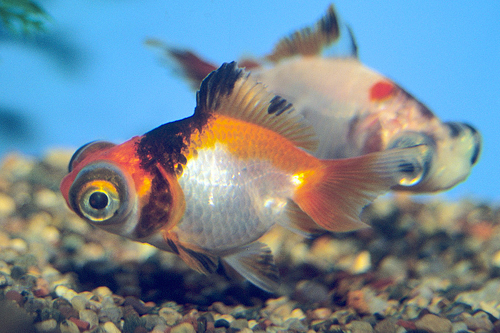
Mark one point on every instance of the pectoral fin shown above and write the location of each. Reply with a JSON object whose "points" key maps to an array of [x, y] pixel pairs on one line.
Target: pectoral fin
{"points": [[198, 260]]}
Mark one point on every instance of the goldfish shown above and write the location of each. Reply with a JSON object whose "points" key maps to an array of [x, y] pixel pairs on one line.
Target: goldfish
{"points": [[208, 186], [353, 109]]}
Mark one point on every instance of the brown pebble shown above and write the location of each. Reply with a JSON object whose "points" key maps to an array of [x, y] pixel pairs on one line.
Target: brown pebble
{"points": [[67, 311], [14, 296], [406, 324], [42, 288], [434, 324], [137, 304], [387, 325], [480, 321], [82, 325], [356, 300]]}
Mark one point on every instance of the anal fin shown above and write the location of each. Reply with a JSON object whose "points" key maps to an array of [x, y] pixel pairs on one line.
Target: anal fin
{"points": [[299, 222], [255, 263]]}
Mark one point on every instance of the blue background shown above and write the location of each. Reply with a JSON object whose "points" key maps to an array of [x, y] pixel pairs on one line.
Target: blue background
{"points": [[91, 77]]}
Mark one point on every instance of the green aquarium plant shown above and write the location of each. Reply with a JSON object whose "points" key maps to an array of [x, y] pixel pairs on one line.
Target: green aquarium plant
{"points": [[22, 16]]}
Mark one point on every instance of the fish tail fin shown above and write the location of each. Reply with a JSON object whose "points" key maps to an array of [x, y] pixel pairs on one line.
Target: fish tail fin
{"points": [[255, 263], [186, 63], [334, 196]]}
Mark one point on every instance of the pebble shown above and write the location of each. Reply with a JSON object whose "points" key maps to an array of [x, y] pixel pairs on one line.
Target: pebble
{"points": [[434, 324], [48, 325], [357, 326], [113, 314], [479, 321], [110, 327], [102, 292], [361, 263], [387, 325], [171, 316], [137, 304], [7, 205], [90, 317], [68, 326], [79, 302], [183, 328], [46, 198], [239, 324]]}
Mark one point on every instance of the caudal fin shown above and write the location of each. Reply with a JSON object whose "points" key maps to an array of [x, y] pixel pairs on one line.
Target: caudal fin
{"points": [[334, 196]]}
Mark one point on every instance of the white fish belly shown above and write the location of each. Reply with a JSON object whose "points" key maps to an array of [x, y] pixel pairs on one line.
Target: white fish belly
{"points": [[230, 202]]}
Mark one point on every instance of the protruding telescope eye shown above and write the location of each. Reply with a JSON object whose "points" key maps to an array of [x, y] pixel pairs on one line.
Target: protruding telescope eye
{"points": [[414, 172], [87, 149], [98, 200], [101, 192], [468, 135]]}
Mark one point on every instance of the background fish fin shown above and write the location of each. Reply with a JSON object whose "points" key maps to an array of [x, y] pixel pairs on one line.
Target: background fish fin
{"points": [[335, 196], [184, 62], [298, 221], [308, 41], [353, 44], [255, 263], [230, 91]]}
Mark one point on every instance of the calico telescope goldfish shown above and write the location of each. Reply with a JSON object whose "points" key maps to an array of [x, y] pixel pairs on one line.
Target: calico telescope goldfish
{"points": [[208, 186], [353, 109]]}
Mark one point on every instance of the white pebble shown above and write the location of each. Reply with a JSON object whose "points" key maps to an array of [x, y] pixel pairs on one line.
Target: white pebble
{"points": [[7, 205], [110, 327], [67, 326], [90, 317]]}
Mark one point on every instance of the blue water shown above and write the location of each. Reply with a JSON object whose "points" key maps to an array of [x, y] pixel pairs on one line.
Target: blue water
{"points": [[90, 76]]}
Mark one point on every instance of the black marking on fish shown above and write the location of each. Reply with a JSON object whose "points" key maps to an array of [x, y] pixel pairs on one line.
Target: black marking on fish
{"points": [[168, 143], [475, 154], [203, 259], [173, 246], [278, 105], [86, 150], [472, 129], [455, 129], [156, 213], [217, 84]]}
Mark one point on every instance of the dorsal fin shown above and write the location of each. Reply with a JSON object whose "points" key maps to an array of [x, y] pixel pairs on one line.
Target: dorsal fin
{"points": [[231, 92], [308, 41]]}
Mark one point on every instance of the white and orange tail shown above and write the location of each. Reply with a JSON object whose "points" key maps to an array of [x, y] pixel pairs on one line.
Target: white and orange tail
{"points": [[334, 196]]}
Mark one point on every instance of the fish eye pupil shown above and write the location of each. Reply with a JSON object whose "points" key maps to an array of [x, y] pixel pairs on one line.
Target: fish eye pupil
{"points": [[98, 200]]}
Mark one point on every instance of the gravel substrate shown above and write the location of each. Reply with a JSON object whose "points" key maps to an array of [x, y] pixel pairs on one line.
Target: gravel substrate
{"points": [[422, 267]]}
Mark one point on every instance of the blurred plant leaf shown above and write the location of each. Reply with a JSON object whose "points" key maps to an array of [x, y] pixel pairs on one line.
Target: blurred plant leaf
{"points": [[22, 16]]}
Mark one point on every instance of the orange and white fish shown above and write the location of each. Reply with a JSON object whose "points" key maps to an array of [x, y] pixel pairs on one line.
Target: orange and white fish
{"points": [[353, 109], [207, 187]]}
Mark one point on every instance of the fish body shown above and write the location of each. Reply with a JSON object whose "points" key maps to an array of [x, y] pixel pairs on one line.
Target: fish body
{"points": [[207, 187], [353, 109]]}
